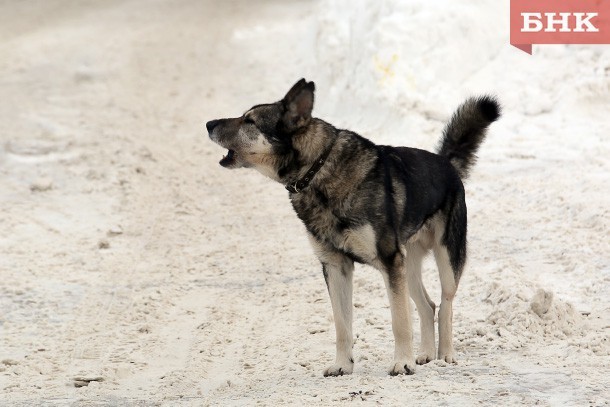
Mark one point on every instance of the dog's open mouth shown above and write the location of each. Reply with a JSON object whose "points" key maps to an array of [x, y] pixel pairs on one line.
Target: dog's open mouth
{"points": [[229, 159]]}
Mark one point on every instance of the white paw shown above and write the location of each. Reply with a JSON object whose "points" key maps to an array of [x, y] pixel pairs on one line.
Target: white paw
{"points": [[424, 358], [447, 357], [405, 367], [339, 369]]}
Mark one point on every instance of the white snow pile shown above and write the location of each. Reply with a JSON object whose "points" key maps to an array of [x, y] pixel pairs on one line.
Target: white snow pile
{"points": [[381, 51], [520, 318], [530, 318]]}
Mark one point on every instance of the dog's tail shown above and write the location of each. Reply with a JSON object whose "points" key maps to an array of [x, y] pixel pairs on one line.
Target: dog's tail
{"points": [[466, 131]]}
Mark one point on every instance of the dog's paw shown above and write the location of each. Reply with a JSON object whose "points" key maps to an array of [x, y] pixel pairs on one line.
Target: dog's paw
{"points": [[448, 357], [402, 367], [339, 369], [424, 358]]}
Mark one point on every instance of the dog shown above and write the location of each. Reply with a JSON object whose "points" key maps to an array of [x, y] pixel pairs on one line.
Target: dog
{"points": [[373, 204]]}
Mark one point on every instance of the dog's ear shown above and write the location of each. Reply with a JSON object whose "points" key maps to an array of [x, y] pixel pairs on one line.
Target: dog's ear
{"points": [[298, 104]]}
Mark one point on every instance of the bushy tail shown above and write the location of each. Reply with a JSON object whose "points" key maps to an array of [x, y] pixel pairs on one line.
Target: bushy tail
{"points": [[466, 130]]}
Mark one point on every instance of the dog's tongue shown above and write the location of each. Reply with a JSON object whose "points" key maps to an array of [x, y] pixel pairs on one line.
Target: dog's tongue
{"points": [[228, 160]]}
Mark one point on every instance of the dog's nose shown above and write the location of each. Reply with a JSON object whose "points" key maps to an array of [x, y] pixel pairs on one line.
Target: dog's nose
{"points": [[211, 124]]}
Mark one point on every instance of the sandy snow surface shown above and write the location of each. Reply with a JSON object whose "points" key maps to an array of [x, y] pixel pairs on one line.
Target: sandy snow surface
{"points": [[134, 270]]}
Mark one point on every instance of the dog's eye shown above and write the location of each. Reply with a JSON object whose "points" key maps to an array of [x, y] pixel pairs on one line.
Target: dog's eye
{"points": [[248, 120]]}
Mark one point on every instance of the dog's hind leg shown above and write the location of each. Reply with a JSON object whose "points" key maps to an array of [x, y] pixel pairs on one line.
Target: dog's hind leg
{"points": [[450, 254], [445, 313], [400, 308], [425, 306]]}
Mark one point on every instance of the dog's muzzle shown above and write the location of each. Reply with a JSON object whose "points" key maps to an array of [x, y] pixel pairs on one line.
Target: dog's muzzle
{"points": [[210, 125], [229, 160]]}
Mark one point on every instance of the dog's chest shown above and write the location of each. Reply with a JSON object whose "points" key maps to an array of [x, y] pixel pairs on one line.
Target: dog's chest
{"points": [[333, 226]]}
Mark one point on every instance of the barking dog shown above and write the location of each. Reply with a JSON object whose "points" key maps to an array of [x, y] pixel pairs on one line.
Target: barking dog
{"points": [[378, 205]]}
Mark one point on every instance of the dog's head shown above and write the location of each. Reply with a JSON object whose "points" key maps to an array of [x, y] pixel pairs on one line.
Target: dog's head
{"points": [[264, 131]]}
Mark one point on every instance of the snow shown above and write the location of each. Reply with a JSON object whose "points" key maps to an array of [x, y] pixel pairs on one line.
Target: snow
{"points": [[135, 266]]}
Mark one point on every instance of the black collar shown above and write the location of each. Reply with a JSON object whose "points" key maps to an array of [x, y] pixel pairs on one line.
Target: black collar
{"points": [[299, 185]]}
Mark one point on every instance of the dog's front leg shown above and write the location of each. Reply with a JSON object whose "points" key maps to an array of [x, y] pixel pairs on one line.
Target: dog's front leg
{"points": [[338, 276], [400, 308]]}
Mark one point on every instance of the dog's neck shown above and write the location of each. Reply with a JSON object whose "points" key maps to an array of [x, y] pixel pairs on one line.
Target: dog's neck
{"points": [[312, 141], [308, 147], [311, 147]]}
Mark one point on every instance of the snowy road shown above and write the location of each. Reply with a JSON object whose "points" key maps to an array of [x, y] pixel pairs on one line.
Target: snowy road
{"points": [[132, 262]]}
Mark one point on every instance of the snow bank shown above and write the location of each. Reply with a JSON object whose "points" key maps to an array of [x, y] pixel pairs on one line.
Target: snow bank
{"points": [[408, 59], [405, 54]]}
